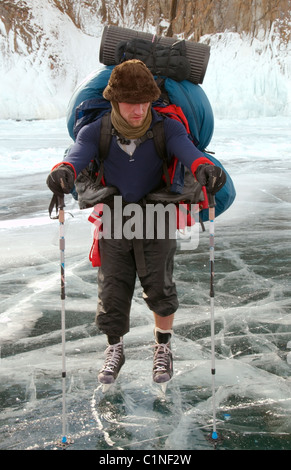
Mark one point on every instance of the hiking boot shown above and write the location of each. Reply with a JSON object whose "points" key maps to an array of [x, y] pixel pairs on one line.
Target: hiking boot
{"points": [[163, 359], [113, 363], [163, 363]]}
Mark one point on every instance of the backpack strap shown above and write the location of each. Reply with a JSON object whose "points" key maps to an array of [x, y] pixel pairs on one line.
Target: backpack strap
{"points": [[160, 144], [106, 133], [157, 133]]}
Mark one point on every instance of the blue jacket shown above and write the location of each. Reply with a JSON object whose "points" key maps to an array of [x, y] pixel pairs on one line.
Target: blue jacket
{"points": [[135, 176]]}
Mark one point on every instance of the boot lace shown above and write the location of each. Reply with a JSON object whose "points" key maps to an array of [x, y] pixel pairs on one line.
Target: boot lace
{"points": [[161, 356], [113, 355]]}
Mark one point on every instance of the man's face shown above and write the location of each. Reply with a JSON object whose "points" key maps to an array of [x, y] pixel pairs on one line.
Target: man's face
{"points": [[134, 114]]}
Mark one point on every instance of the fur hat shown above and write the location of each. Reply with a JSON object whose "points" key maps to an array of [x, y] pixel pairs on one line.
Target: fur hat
{"points": [[131, 82]]}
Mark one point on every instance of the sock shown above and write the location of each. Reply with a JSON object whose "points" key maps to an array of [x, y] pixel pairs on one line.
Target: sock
{"points": [[163, 336], [114, 339]]}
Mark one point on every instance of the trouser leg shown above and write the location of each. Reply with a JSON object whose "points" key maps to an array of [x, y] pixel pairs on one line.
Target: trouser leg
{"points": [[116, 282], [153, 259], [158, 285]]}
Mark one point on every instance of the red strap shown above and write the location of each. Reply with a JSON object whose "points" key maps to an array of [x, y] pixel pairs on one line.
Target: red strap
{"points": [[174, 112], [96, 218], [94, 255]]}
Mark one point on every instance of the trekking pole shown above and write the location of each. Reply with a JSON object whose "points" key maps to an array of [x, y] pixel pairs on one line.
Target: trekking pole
{"points": [[211, 206], [61, 204]]}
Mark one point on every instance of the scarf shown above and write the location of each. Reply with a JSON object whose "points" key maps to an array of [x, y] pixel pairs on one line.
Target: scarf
{"points": [[125, 129]]}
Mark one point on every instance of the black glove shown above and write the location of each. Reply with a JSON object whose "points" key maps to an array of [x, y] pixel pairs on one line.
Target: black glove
{"points": [[61, 180], [210, 176]]}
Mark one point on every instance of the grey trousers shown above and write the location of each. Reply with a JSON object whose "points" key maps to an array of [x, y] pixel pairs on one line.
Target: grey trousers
{"points": [[152, 260]]}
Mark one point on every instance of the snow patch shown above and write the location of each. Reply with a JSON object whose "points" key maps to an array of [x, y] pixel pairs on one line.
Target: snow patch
{"points": [[246, 76]]}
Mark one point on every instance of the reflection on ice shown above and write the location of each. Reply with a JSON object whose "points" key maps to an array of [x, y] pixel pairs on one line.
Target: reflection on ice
{"points": [[252, 312]]}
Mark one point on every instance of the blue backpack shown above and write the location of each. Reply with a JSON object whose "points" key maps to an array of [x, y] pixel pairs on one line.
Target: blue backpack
{"points": [[87, 104]]}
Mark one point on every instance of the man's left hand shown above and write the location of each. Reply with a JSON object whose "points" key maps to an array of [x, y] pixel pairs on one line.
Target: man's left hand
{"points": [[210, 176]]}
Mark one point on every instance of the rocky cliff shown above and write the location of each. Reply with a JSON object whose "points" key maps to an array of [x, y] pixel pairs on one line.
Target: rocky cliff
{"points": [[189, 18], [50, 45], [197, 18]]}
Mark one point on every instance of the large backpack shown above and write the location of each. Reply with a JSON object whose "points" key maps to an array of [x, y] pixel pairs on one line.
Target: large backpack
{"points": [[87, 104], [179, 183], [182, 101]]}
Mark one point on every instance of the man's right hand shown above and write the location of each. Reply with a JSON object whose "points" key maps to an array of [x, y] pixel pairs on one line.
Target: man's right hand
{"points": [[61, 180]]}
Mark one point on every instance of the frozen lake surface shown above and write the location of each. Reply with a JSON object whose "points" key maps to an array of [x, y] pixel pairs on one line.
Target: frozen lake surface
{"points": [[252, 310]]}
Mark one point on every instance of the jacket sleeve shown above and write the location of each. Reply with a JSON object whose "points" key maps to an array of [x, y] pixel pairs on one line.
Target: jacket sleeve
{"points": [[85, 149], [180, 145]]}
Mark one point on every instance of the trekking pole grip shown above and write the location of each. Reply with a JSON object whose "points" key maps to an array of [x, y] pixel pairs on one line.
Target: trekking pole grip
{"points": [[211, 200], [60, 202]]}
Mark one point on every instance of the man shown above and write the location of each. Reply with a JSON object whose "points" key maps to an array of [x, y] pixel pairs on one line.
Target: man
{"points": [[134, 167]]}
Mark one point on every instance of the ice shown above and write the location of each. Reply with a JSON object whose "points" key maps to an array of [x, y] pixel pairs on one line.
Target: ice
{"points": [[30, 147], [252, 310], [248, 85], [248, 76]]}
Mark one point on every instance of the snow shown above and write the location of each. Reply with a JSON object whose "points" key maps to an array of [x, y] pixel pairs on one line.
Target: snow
{"points": [[37, 78], [246, 76]]}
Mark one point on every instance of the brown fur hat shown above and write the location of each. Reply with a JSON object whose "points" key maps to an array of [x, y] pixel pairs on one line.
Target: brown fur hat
{"points": [[131, 82]]}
